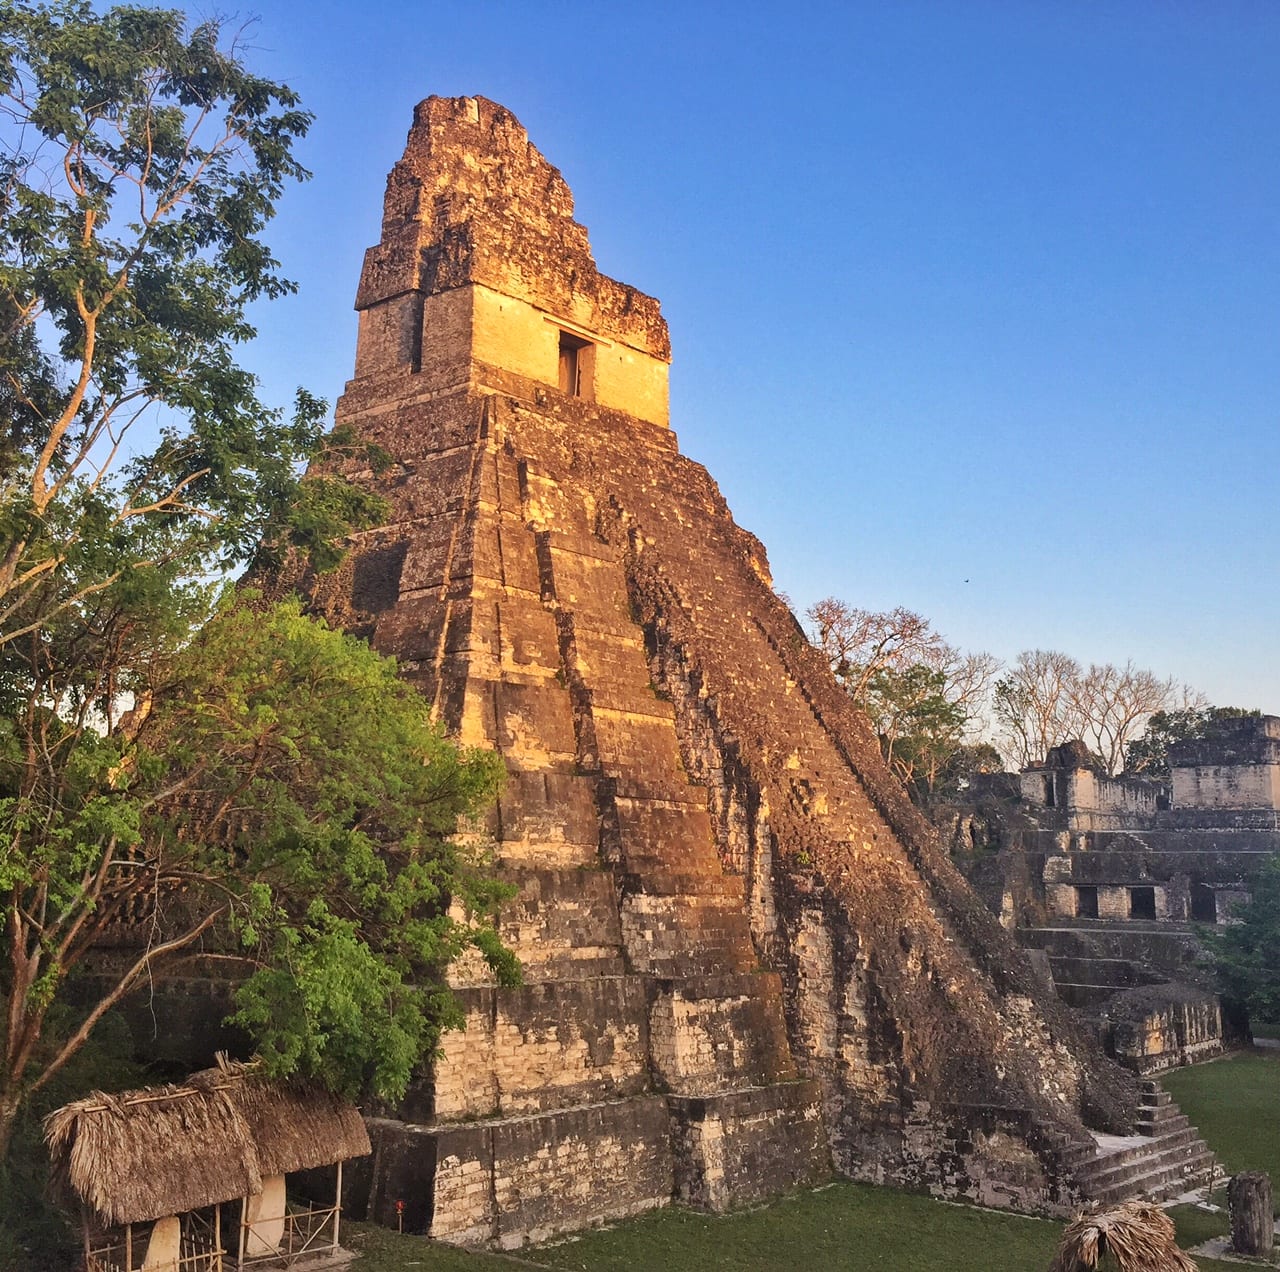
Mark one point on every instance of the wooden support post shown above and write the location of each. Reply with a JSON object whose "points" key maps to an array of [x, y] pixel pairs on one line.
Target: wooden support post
{"points": [[337, 1206], [128, 1247], [244, 1211], [1252, 1222]]}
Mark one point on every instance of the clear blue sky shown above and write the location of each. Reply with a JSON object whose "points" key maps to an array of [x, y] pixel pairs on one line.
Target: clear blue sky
{"points": [[975, 306]]}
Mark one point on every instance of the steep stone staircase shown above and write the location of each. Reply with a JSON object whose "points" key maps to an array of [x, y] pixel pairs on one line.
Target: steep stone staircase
{"points": [[1165, 1159]]}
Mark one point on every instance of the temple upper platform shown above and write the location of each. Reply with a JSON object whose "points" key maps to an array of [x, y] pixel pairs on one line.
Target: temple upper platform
{"points": [[483, 278]]}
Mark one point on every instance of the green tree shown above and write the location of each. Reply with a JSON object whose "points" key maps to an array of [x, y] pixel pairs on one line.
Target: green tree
{"points": [[139, 166], [278, 801], [963, 765], [247, 785], [921, 694], [1246, 952], [919, 725], [1148, 756]]}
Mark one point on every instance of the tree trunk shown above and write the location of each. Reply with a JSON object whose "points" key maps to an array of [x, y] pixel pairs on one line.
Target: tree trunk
{"points": [[8, 1119], [1252, 1223]]}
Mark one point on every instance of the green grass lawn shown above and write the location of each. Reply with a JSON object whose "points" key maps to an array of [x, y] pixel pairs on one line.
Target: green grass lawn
{"points": [[843, 1226], [1234, 1101]]}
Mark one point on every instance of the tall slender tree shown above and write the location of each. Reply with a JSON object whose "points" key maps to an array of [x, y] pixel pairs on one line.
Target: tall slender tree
{"points": [[242, 783], [1047, 698], [921, 694]]}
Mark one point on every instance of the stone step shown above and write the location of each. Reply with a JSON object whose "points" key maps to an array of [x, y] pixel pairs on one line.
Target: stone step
{"points": [[1167, 1180], [1104, 1174], [1141, 1148], [1085, 996], [1155, 1127], [1168, 1160], [1077, 1154], [699, 962], [1152, 927], [1167, 945], [666, 882], [1143, 1181], [1117, 973], [571, 965]]}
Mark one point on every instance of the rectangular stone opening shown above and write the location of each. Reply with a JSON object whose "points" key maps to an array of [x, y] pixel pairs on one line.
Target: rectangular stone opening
{"points": [[1142, 903], [1086, 902], [576, 365], [1204, 904]]}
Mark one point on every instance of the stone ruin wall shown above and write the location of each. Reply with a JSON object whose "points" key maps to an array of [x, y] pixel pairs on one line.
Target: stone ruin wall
{"points": [[745, 954], [1109, 879]]}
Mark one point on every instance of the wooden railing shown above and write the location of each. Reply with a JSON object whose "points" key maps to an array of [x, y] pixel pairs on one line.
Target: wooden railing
{"points": [[306, 1233], [118, 1257]]}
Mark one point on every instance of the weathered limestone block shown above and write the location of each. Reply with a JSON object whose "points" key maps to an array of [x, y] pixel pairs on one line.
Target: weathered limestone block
{"points": [[550, 1045], [744, 1145], [685, 935], [709, 1034], [1161, 1026], [563, 924], [524, 1179], [547, 817]]}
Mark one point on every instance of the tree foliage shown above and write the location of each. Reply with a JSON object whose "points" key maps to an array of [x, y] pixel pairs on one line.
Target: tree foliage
{"points": [[921, 694], [1047, 698], [1246, 951], [139, 166], [1148, 756], [277, 802], [963, 765]]}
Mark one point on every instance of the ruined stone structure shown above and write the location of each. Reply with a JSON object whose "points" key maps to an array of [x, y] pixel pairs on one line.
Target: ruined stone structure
{"points": [[746, 958], [1109, 877]]}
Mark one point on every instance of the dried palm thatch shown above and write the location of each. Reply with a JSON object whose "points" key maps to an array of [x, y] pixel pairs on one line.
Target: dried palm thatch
{"points": [[1138, 1237], [297, 1127], [143, 1154], [140, 1155]]}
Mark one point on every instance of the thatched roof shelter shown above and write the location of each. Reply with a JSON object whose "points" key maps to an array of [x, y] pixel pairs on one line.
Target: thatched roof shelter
{"points": [[1137, 1237], [140, 1155], [295, 1127]]}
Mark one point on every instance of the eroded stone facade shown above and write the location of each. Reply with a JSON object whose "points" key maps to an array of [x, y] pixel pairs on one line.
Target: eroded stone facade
{"points": [[745, 954], [1111, 877]]}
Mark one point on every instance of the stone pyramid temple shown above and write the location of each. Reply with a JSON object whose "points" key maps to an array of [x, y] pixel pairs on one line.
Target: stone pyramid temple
{"points": [[747, 962]]}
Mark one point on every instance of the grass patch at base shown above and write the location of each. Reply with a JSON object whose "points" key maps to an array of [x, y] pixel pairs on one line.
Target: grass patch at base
{"points": [[381, 1250], [853, 1226], [1196, 1225], [841, 1228]]}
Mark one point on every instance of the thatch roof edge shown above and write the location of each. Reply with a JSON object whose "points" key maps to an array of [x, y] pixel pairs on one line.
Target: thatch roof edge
{"points": [[139, 1155]]}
